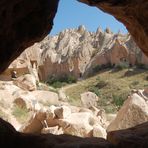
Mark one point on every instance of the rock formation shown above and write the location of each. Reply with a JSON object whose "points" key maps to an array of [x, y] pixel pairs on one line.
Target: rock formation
{"points": [[76, 52], [134, 137], [132, 113], [65, 120], [9, 138], [19, 33], [133, 14]]}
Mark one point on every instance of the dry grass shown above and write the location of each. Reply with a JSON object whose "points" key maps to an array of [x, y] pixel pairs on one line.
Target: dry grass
{"points": [[118, 86], [21, 114]]}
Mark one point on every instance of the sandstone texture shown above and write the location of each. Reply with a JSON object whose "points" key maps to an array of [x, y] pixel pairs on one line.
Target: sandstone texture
{"points": [[89, 99], [134, 137], [76, 52], [133, 14], [132, 113], [26, 82], [33, 20], [64, 120], [9, 137]]}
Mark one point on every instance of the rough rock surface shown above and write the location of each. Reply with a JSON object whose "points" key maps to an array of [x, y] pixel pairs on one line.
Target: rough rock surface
{"points": [[6, 99], [22, 24], [132, 113], [9, 138], [26, 82], [76, 52], [65, 120], [133, 14], [46, 98], [134, 137], [89, 99]]}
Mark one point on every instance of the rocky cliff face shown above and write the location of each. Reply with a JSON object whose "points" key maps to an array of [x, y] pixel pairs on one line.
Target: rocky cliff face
{"points": [[131, 13], [77, 52]]}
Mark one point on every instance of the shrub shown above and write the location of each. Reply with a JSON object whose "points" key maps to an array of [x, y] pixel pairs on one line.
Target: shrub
{"points": [[58, 82], [146, 78], [101, 84], [94, 90], [21, 114], [122, 65], [135, 83], [97, 68], [71, 79], [142, 66], [118, 100]]}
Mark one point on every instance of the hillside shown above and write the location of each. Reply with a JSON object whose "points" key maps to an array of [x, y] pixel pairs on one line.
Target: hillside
{"points": [[111, 86]]}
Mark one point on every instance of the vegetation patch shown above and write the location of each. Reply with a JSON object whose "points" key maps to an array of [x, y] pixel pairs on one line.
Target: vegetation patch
{"points": [[95, 90], [118, 100], [21, 114], [122, 65], [142, 66], [58, 82], [98, 68], [111, 87]]}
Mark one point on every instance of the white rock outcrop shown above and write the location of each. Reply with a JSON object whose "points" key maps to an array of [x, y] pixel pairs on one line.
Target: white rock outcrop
{"points": [[76, 52], [26, 82]]}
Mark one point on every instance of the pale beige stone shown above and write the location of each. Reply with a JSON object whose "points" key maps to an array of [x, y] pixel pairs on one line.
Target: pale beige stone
{"points": [[133, 112]]}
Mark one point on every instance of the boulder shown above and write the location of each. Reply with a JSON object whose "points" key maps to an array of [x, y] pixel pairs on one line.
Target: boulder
{"points": [[56, 130], [62, 112], [133, 112], [26, 100], [89, 99], [9, 86], [26, 82], [135, 137], [78, 124], [51, 119], [6, 99], [46, 98], [35, 124], [99, 131], [11, 138]]}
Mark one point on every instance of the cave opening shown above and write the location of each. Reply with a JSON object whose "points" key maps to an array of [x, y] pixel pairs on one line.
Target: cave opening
{"points": [[9, 137]]}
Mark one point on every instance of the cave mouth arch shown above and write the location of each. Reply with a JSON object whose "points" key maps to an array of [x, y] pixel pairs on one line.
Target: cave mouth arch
{"points": [[132, 20]]}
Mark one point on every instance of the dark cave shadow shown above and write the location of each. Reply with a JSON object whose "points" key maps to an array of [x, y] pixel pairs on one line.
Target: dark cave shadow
{"points": [[9, 137]]}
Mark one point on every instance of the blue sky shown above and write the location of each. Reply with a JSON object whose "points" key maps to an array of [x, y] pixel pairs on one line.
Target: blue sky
{"points": [[71, 14]]}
